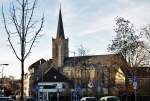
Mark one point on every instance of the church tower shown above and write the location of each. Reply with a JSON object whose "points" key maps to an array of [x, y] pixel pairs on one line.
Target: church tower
{"points": [[60, 44]]}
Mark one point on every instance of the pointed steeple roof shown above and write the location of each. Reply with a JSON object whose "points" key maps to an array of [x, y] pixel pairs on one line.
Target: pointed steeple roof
{"points": [[60, 28]]}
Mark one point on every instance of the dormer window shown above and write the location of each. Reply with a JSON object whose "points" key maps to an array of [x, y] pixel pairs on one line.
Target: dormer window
{"points": [[55, 77]]}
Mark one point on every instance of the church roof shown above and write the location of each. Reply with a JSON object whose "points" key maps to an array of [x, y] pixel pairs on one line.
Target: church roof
{"points": [[60, 28], [95, 59], [108, 60], [37, 63], [54, 76]]}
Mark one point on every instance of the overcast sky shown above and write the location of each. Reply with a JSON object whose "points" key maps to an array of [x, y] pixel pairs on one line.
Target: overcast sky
{"points": [[86, 22]]}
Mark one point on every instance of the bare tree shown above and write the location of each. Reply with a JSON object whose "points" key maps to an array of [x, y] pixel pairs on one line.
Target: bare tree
{"points": [[23, 32], [146, 33], [128, 43], [82, 51]]}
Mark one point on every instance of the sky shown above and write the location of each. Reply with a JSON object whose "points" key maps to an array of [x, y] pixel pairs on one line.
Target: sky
{"points": [[86, 22]]}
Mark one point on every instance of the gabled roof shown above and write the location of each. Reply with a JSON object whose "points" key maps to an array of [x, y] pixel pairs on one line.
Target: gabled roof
{"points": [[54, 76], [60, 28], [141, 71], [78, 59], [94, 59], [104, 60], [37, 63]]}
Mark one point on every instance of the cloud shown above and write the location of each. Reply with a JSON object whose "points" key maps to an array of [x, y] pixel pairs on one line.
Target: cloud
{"points": [[5, 1], [87, 22], [136, 12], [97, 19], [138, 15]]}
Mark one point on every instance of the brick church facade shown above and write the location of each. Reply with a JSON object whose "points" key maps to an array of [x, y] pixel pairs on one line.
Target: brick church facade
{"points": [[102, 73]]}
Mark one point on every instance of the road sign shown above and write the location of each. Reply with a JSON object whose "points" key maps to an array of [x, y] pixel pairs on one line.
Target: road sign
{"points": [[90, 84], [135, 85], [134, 79], [77, 88], [37, 88]]}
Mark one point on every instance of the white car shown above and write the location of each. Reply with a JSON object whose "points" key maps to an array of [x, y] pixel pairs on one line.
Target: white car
{"points": [[3, 98], [109, 98], [88, 99]]}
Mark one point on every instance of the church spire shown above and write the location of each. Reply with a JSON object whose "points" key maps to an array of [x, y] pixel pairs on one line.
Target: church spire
{"points": [[60, 28]]}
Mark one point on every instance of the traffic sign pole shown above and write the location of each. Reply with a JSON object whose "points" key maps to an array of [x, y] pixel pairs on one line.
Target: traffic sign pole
{"points": [[135, 86], [135, 94]]}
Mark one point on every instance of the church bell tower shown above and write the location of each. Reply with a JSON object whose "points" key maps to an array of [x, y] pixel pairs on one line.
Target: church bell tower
{"points": [[60, 44]]}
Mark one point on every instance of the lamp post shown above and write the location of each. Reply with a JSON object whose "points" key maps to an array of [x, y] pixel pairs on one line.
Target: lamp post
{"points": [[2, 74]]}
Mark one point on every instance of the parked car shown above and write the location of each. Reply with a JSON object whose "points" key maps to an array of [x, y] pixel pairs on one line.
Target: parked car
{"points": [[3, 98], [28, 98], [88, 99], [109, 98]]}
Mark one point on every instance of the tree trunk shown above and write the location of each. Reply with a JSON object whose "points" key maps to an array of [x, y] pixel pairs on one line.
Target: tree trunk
{"points": [[22, 50], [22, 79], [23, 25]]}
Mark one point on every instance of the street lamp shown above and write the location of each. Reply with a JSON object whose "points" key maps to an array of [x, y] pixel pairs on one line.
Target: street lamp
{"points": [[4, 64]]}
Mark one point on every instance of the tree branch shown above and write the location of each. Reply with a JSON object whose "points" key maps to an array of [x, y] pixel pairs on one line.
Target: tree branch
{"points": [[30, 18], [35, 37], [8, 33], [14, 20]]}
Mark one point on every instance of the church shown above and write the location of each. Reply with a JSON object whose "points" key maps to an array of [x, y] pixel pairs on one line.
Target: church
{"points": [[90, 74]]}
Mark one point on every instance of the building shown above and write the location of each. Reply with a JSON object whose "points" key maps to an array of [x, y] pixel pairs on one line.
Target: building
{"points": [[52, 84], [9, 85], [142, 77], [95, 73], [34, 72], [26, 84]]}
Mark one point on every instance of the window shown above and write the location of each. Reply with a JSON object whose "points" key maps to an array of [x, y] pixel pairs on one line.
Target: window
{"points": [[91, 99], [50, 86]]}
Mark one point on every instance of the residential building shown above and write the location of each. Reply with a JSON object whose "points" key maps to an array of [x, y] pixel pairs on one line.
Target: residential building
{"points": [[34, 73], [26, 84], [51, 84]]}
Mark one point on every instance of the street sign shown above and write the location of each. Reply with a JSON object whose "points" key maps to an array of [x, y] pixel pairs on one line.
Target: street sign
{"points": [[37, 88], [134, 79], [90, 84], [135, 85], [77, 88]]}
